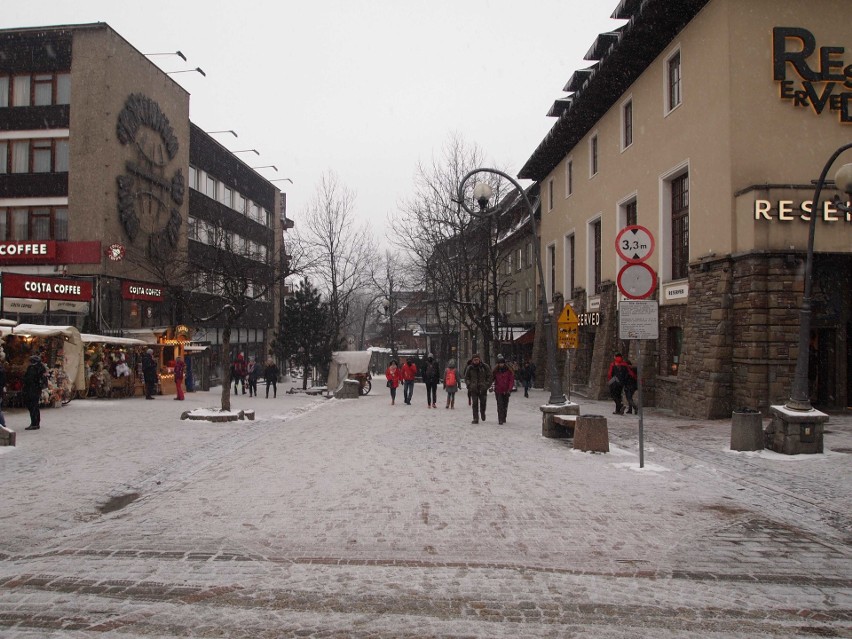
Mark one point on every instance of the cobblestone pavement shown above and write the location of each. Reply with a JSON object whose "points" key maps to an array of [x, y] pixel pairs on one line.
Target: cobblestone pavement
{"points": [[358, 519]]}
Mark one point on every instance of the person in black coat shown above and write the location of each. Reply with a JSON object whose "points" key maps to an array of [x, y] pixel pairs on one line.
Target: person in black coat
{"points": [[35, 378], [149, 373], [270, 375], [431, 378], [2, 386]]}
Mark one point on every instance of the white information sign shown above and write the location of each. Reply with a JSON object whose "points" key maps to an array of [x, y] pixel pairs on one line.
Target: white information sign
{"points": [[638, 320]]}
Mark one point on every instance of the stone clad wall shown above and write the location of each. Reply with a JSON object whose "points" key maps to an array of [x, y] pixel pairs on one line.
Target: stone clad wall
{"points": [[704, 379], [767, 299]]}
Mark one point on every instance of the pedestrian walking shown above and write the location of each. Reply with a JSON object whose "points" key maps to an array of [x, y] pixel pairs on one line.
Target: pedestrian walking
{"points": [[504, 384], [630, 386], [451, 383], [431, 377], [149, 373], [238, 373], [35, 379], [616, 378], [252, 374], [409, 372], [180, 371], [525, 375], [394, 376], [478, 380], [270, 375]]}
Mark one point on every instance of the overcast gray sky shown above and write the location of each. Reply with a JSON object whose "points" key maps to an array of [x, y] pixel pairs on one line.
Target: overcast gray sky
{"points": [[364, 88]]}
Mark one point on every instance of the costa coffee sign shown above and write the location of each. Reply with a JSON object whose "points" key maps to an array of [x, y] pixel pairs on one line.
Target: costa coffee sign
{"points": [[11, 252], [46, 288], [141, 291]]}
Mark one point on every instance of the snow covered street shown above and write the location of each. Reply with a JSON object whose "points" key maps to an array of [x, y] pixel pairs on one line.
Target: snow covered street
{"points": [[335, 518]]}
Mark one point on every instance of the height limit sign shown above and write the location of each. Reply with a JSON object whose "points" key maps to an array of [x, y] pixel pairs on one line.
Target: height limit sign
{"points": [[636, 280]]}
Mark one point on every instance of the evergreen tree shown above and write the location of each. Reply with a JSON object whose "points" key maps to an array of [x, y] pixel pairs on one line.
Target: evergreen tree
{"points": [[306, 336]]}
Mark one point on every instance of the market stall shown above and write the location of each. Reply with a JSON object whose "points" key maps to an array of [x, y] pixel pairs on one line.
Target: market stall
{"points": [[61, 350], [111, 364]]}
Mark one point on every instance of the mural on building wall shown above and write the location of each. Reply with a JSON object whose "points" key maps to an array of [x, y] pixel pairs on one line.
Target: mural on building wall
{"points": [[146, 191]]}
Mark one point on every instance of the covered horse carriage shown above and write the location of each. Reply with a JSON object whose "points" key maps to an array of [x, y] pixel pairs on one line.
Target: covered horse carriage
{"points": [[350, 365]]}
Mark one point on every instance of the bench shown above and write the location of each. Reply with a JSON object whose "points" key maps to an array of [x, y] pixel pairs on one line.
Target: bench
{"points": [[567, 422]]}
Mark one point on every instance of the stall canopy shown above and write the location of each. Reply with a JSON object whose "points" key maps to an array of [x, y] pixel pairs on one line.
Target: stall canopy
{"points": [[345, 363], [72, 351], [89, 338]]}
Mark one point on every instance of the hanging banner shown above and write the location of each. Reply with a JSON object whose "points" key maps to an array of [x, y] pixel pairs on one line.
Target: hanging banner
{"points": [[64, 306], [29, 307]]}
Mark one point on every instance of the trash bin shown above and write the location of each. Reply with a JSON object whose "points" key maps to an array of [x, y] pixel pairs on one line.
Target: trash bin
{"points": [[746, 429]]}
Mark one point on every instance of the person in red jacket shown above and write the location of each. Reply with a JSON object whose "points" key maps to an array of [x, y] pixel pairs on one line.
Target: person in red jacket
{"points": [[409, 372], [619, 376], [180, 369], [394, 375], [504, 384]]}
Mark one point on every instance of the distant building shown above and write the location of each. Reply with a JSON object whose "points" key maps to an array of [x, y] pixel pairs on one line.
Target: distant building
{"points": [[99, 167]]}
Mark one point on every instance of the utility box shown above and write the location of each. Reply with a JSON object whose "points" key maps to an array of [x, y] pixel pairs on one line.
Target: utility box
{"points": [[746, 429]]}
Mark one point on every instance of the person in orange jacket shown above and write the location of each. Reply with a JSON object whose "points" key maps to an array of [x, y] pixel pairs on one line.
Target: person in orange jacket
{"points": [[394, 375], [409, 372]]}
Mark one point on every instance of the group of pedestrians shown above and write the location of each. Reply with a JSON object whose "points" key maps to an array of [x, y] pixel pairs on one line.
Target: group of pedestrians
{"points": [[246, 374], [478, 378]]}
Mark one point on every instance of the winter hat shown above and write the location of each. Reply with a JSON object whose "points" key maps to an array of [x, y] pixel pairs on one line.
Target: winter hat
{"points": [[475, 356], [451, 363], [500, 359], [150, 351], [35, 358]]}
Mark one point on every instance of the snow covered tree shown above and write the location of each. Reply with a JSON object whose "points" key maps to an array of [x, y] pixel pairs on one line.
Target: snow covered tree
{"points": [[307, 335]]}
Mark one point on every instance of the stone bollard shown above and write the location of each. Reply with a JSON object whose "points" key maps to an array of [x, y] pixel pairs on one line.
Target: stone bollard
{"points": [[550, 428], [351, 389], [746, 429], [591, 434], [7, 436]]}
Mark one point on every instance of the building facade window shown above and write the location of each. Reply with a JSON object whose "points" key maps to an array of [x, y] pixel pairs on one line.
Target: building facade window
{"points": [[569, 266], [38, 89], [551, 268], [595, 240], [631, 213], [673, 81], [21, 224], [550, 194], [674, 344], [627, 124], [529, 299], [520, 263], [518, 308], [593, 156], [569, 177], [680, 226], [40, 155], [529, 254]]}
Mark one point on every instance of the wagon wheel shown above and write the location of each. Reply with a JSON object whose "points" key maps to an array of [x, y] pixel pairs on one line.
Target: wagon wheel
{"points": [[366, 387]]}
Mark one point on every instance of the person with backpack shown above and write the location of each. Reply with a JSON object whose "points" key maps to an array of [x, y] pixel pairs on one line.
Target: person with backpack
{"points": [[35, 379], [238, 373], [451, 383], [617, 378], [431, 377]]}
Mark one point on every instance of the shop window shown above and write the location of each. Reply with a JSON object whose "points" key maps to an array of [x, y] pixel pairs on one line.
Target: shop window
{"points": [[674, 344]]}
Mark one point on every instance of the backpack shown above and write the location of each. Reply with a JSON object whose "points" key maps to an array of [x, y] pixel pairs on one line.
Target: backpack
{"points": [[622, 374], [450, 377]]}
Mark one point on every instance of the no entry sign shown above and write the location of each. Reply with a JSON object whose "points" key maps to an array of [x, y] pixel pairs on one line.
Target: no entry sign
{"points": [[636, 281]]}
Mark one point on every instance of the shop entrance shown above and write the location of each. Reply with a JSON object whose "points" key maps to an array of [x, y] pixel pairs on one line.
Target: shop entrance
{"points": [[830, 353]]}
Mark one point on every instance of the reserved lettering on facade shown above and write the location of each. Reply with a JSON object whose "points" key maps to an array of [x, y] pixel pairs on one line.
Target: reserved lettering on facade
{"points": [[788, 211]]}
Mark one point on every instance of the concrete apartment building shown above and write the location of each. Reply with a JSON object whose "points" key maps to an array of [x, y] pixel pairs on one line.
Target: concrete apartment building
{"points": [[707, 121], [101, 167]]}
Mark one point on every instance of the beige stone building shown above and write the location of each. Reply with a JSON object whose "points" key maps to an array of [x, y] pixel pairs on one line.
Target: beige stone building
{"points": [[706, 122]]}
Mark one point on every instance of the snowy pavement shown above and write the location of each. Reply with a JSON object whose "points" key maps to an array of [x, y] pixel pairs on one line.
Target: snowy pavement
{"points": [[336, 518]]}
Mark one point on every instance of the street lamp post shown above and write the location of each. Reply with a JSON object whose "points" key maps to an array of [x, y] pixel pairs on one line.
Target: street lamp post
{"points": [[800, 396], [482, 193]]}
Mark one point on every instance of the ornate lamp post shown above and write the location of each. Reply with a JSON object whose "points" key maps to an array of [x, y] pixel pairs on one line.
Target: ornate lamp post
{"points": [[800, 396], [482, 193]]}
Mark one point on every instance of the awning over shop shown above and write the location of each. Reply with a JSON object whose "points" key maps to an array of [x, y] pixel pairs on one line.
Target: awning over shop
{"points": [[517, 335], [89, 338], [527, 338]]}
